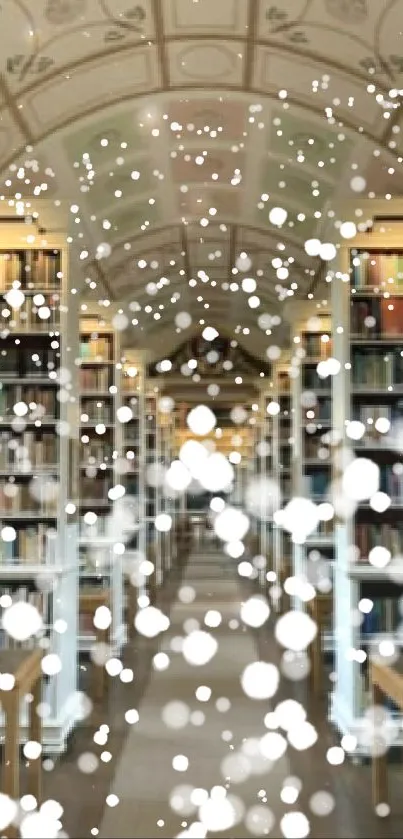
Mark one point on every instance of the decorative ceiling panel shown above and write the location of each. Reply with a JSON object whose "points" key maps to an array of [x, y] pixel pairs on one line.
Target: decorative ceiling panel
{"points": [[227, 202], [349, 33], [227, 18], [306, 81], [61, 100], [385, 178], [265, 244], [292, 135], [205, 62], [48, 35], [188, 168], [128, 222], [301, 229], [155, 241], [226, 117], [116, 187], [300, 189], [210, 256], [117, 127], [11, 137], [216, 232]]}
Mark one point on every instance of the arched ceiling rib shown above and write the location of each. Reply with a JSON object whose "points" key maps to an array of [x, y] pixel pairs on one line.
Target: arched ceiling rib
{"points": [[276, 99]]}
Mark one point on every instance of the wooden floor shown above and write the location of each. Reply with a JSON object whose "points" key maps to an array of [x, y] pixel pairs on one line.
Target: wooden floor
{"points": [[83, 796]]}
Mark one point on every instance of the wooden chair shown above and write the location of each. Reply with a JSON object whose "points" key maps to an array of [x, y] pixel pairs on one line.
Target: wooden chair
{"points": [[25, 667]]}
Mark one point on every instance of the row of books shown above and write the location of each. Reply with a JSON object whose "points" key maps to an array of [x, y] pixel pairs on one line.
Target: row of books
{"points": [[322, 412], [375, 369], [22, 498], [94, 349], [97, 410], [28, 362], [43, 398], [284, 382], [370, 413], [132, 445], [41, 600], [316, 484], [34, 544], [95, 379], [134, 407], [375, 269], [315, 346], [130, 384], [369, 535], [324, 530], [285, 458], [97, 450], [35, 449], [383, 617], [311, 448], [286, 485], [376, 318], [391, 483], [31, 317], [38, 269], [311, 380], [91, 489]]}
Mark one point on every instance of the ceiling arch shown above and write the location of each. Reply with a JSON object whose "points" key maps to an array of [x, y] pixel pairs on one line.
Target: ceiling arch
{"points": [[224, 110]]}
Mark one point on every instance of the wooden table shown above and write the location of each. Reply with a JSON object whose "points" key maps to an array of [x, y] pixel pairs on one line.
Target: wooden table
{"points": [[385, 681], [89, 601], [25, 666], [320, 608]]}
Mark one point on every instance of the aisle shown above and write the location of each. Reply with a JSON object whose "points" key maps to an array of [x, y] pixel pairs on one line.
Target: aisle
{"points": [[145, 778]]}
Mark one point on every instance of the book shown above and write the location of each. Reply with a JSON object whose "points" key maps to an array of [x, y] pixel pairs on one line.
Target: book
{"points": [[369, 535], [94, 349], [317, 345], [34, 544]]}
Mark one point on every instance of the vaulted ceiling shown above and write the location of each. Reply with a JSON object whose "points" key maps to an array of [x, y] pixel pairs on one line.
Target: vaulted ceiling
{"points": [[173, 127]]}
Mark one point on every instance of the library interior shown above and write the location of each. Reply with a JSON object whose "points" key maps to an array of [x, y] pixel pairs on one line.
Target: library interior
{"points": [[201, 403]]}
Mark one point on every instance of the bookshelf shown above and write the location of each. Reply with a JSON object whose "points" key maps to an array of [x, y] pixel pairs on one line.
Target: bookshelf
{"points": [[153, 473], [241, 452], [282, 461], [105, 514], [233, 439], [160, 449], [133, 443], [134, 479], [38, 444], [261, 461], [367, 291], [312, 440]]}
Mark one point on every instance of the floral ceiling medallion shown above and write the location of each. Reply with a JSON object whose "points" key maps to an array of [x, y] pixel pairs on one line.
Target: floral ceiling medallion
{"points": [[59, 12], [348, 11]]}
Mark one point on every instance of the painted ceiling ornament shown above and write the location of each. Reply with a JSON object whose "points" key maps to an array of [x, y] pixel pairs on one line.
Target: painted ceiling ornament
{"points": [[348, 11], [59, 12], [302, 141]]}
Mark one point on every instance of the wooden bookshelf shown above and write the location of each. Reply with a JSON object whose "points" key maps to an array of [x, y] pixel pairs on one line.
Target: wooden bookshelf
{"points": [[367, 304], [102, 529], [134, 479], [282, 472], [259, 463], [312, 447], [38, 445]]}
